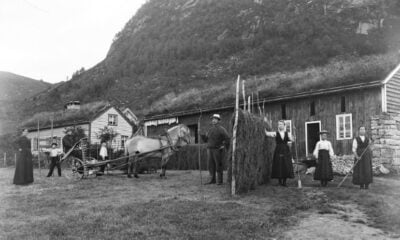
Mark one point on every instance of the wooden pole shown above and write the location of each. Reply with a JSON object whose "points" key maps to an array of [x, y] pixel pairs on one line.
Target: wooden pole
{"points": [[258, 104], [244, 95], [5, 159], [38, 147], [51, 120], [15, 159], [252, 102], [199, 153], [249, 104], [233, 183]]}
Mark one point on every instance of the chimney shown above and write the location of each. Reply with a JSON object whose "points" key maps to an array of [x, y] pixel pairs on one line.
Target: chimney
{"points": [[72, 105]]}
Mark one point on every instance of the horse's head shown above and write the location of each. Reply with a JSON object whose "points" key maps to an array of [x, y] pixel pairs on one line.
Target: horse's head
{"points": [[180, 135]]}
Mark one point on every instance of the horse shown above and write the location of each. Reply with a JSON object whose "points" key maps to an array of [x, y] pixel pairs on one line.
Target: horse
{"points": [[163, 147]]}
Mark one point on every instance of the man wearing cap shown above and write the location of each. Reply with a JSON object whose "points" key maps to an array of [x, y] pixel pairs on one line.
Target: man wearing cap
{"points": [[217, 140]]}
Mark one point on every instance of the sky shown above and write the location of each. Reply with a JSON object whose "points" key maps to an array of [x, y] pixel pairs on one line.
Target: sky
{"points": [[50, 39]]}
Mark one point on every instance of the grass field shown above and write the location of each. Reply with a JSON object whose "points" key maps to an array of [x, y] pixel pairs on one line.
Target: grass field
{"points": [[115, 207]]}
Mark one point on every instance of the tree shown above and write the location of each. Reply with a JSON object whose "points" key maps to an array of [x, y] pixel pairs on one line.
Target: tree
{"points": [[106, 134], [77, 133]]}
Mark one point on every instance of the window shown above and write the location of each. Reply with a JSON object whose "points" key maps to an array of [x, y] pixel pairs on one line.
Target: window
{"points": [[123, 141], [283, 109], [343, 104], [112, 119], [344, 126], [312, 108]]}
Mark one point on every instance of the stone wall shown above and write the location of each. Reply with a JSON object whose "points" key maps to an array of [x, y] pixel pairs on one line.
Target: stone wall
{"points": [[385, 131]]}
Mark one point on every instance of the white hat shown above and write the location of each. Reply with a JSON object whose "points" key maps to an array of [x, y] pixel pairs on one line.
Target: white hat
{"points": [[217, 116]]}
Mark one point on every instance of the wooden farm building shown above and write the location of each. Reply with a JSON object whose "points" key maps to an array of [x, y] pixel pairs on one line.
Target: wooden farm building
{"points": [[339, 109], [91, 120]]}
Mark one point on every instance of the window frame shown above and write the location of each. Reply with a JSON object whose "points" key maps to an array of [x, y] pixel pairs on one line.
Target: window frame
{"points": [[344, 116], [115, 123]]}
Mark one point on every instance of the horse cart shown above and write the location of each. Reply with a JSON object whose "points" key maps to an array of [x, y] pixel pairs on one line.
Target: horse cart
{"points": [[137, 148]]}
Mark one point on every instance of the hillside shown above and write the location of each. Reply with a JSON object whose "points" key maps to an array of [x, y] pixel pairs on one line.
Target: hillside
{"points": [[15, 90], [16, 87], [171, 47]]}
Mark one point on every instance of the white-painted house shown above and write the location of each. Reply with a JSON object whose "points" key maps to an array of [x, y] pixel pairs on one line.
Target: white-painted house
{"points": [[109, 116]]}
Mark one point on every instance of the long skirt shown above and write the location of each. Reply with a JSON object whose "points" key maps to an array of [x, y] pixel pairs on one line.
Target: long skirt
{"points": [[323, 171], [362, 173], [24, 168], [282, 166]]}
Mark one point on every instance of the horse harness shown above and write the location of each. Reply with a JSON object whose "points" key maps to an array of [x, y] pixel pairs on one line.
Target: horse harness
{"points": [[169, 142]]}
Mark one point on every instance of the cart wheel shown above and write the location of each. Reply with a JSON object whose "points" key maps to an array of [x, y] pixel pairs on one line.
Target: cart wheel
{"points": [[74, 168]]}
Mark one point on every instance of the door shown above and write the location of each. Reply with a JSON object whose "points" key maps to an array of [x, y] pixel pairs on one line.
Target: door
{"points": [[312, 135], [193, 133]]}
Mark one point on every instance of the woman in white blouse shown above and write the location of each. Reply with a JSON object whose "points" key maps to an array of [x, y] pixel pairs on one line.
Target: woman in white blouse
{"points": [[104, 156], [282, 167], [324, 153]]}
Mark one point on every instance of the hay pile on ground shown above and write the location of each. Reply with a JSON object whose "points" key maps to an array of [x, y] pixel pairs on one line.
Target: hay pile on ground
{"points": [[253, 153]]}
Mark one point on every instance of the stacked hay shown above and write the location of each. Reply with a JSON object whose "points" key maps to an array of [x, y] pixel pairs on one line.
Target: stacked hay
{"points": [[253, 153]]}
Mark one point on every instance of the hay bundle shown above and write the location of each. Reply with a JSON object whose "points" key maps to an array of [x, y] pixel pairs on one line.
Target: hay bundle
{"points": [[253, 153]]}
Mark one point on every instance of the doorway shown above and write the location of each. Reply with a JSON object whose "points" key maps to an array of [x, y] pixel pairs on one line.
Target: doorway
{"points": [[193, 133], [312, 135]]}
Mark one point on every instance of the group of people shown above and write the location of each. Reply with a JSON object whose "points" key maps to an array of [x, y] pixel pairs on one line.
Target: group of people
{"points": [[217, 140], [24, 165], [282, 167]]}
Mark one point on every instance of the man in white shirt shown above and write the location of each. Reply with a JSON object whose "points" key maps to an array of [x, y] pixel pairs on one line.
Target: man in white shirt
{"points": [[55, 160]]}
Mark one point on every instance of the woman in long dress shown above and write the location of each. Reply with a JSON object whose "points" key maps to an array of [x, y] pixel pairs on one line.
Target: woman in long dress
{"points": [[24, 166], [324, 153], [362, 172], [282, 167]]}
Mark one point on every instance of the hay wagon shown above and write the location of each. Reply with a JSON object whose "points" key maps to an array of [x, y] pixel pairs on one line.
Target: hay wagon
{"points": [[85, 166]]}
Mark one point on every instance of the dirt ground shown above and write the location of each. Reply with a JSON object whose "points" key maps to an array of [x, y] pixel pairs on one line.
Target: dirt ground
{"points": [[115, 207]]}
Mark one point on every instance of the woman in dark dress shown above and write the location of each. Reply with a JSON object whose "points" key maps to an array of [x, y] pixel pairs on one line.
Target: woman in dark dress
{"points": [[24, 166], [282, 167], [362, 172], [324, 153]]}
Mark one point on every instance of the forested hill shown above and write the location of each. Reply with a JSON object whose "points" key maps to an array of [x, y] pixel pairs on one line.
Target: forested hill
{"points": [[176, 46]]}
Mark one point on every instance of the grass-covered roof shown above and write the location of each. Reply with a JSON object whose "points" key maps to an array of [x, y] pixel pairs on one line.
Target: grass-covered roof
{"points": [[338, 73], [63, 117]]}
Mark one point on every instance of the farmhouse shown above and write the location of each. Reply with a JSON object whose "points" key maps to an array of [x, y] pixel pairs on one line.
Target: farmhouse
{"points": [[340, 109], [90, 117]]}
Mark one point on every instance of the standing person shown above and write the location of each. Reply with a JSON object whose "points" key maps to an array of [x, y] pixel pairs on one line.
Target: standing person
{"points": [[55, 160], [24, 166], [324, 153], [362, 172], [217, 140], [282, 167], [103, 155], [68, 141]]}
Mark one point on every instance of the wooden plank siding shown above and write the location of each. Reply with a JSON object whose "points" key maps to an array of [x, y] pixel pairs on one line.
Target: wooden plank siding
{"points": [[361, 103], [123, 127], [57, 132], [393, 94]]}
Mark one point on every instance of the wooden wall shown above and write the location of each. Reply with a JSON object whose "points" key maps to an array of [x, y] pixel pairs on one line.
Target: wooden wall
{"points": [[123, 128], [393, 94], [362, 104], [58, 132]]}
